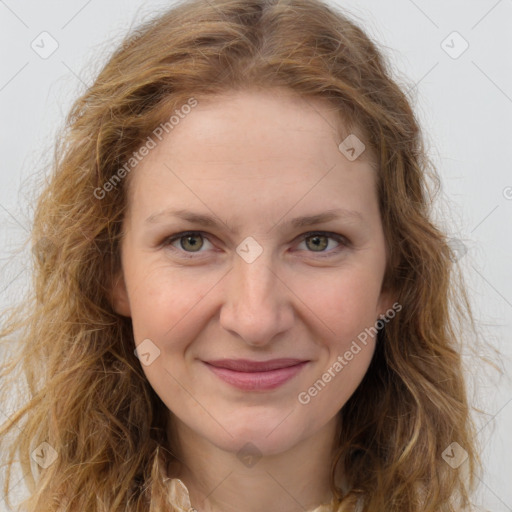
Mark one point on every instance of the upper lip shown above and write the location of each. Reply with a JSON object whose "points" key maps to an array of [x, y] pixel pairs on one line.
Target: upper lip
{"points": [[246, 365]]}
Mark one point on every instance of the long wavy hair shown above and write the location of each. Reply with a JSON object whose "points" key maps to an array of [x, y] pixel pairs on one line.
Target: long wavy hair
{"points": [[88, 396]]}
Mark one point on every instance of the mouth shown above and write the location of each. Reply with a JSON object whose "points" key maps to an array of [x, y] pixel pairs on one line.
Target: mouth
{"points": [[256, 375]]}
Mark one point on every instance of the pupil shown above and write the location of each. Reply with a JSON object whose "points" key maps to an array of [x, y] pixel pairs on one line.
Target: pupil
{"points": [[318, 244], [190, 240]]}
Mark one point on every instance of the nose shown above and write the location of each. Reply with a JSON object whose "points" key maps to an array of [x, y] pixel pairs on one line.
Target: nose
{"points": [[257, 305]]}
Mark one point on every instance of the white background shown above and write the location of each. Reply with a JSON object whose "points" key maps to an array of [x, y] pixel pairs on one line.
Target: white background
{"points": [[463, 103]]}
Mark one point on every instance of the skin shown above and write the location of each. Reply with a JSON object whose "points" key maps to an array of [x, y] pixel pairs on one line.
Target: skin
{"points": [[254, 159]]}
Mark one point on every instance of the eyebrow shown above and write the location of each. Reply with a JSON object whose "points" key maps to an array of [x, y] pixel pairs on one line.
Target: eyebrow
{"points": [[298, 222]]}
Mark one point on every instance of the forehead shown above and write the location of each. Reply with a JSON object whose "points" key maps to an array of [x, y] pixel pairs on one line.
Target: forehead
{"points": [[252, 146], [256, 119]]}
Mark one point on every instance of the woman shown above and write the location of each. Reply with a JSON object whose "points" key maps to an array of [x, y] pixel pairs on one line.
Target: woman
{"points": [[241, 302]]}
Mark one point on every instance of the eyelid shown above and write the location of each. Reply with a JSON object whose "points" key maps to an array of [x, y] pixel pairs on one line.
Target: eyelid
{"points": [[167, 242], [342, 240]]}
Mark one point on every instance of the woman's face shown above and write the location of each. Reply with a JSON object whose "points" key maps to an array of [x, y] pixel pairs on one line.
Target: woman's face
{"points": [[253, 282]]}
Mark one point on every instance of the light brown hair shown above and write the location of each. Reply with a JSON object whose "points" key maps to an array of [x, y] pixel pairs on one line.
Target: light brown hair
{"points": [[89, 398]]}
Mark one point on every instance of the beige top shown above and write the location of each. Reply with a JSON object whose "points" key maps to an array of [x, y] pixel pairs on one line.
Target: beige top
{"points": [[179, 498]]}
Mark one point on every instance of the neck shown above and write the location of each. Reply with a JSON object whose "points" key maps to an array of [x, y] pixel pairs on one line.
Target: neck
{"points": [[297, 480]]}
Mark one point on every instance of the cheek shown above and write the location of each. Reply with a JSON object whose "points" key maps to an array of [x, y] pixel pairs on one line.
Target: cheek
{"points": [[345, 302], [166, 303], [163, 301], [346, 305], [166, 310]]}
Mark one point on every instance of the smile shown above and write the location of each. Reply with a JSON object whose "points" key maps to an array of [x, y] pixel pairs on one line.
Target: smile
{"points": [[252, 378]]}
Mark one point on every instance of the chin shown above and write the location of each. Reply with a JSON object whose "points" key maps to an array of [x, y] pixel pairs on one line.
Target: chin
{"points": [[256, 445], [265, 438]]}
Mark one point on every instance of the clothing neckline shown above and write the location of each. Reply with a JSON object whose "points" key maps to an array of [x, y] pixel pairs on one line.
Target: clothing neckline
{"points": [[179, 498]]}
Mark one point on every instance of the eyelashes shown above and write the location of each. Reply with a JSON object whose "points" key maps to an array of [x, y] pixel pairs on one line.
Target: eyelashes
{"points": [[343, 243]]}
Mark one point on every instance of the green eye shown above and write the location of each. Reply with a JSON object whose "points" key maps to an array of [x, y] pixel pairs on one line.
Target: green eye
{"points": [[319, 242], [315, 242], [189, 242]]}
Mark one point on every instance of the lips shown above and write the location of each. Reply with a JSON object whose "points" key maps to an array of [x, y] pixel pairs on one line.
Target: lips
{"points": [[246, 365], [256, 375]]}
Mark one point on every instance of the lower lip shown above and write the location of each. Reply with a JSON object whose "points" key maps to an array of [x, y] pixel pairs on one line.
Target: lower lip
{"points": [[253, 381]]}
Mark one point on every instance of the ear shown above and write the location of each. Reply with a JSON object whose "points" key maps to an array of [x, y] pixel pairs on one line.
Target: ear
{"points": [[386, 302], [120, 300]]}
